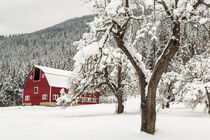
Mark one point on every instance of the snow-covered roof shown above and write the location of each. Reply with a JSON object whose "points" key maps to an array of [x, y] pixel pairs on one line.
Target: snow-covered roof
{"points": [[56, 77]]}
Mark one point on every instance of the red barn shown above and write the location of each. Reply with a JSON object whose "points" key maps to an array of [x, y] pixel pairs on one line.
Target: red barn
{"points": [[43, 87]]}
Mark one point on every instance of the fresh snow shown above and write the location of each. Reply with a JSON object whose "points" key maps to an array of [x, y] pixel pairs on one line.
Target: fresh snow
{"points": [[54, 71], [58, 80], [85, 52], [203, 20], [99, 122], [114, 7]]}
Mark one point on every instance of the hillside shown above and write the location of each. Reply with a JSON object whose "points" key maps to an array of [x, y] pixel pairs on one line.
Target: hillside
{"points": [[38, 46]]}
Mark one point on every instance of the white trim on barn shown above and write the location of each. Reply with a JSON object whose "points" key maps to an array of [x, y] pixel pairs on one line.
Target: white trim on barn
{"points": [[36, 90], [50, 94], [44, 96], [27, 98], [55, 96]]}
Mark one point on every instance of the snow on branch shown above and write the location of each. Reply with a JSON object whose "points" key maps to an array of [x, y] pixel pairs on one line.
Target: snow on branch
{"points": [[94, 48], [138, 59]]}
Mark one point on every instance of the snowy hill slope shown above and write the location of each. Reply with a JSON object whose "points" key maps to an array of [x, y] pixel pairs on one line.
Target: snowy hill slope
{"points": [[50, 43], [99, 122]]}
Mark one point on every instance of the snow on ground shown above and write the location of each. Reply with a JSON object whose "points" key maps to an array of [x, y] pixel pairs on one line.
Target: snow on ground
{"points": [[99, 122]]}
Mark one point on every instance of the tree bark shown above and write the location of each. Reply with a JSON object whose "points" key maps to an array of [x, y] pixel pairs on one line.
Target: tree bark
{"points": [[168, 102], [170, 94], [208, 97], [120, 106], [116, 89], [148, 122]]}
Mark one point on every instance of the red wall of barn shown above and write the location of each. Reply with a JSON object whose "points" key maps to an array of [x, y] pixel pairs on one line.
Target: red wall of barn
{"points": [[43, 88], [90, 96], [55, 90]]}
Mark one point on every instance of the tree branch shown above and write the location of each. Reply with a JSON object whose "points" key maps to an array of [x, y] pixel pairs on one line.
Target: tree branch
{"points": [[141, 75], [200, 2], [166, 9], [107, 80], [170, 50]]}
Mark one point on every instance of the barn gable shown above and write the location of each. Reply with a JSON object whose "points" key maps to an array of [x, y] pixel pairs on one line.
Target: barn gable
{"points": [[56, 77]]}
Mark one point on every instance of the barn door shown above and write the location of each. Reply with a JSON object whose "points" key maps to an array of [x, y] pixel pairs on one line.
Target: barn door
{"points": [[35, 100]]}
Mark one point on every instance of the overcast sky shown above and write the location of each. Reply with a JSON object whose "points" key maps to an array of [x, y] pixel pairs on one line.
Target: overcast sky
{"points": [[24, 16]]}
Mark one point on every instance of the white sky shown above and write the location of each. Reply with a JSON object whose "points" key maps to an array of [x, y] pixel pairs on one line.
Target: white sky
{"points": [[24, 16]]}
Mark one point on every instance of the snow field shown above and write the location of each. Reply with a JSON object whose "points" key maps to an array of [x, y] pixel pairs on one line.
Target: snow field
{"points": [[99, 122]]}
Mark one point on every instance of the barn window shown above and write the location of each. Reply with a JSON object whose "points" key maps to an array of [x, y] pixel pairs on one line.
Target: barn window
{"points": [[36, 74], [93, 100], [44, 97], [55, 96], [88, 99], [83, 99], [27, 98], [35, 90]]}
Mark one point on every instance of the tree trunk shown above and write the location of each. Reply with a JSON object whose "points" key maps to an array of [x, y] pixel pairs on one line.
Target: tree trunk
{"points": [[168, 104], [208, 97], [120, 106], [148, 116], [149, 109]]}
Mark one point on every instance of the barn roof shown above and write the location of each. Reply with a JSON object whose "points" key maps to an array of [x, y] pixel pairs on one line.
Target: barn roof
{"points": [[56, 77]]}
